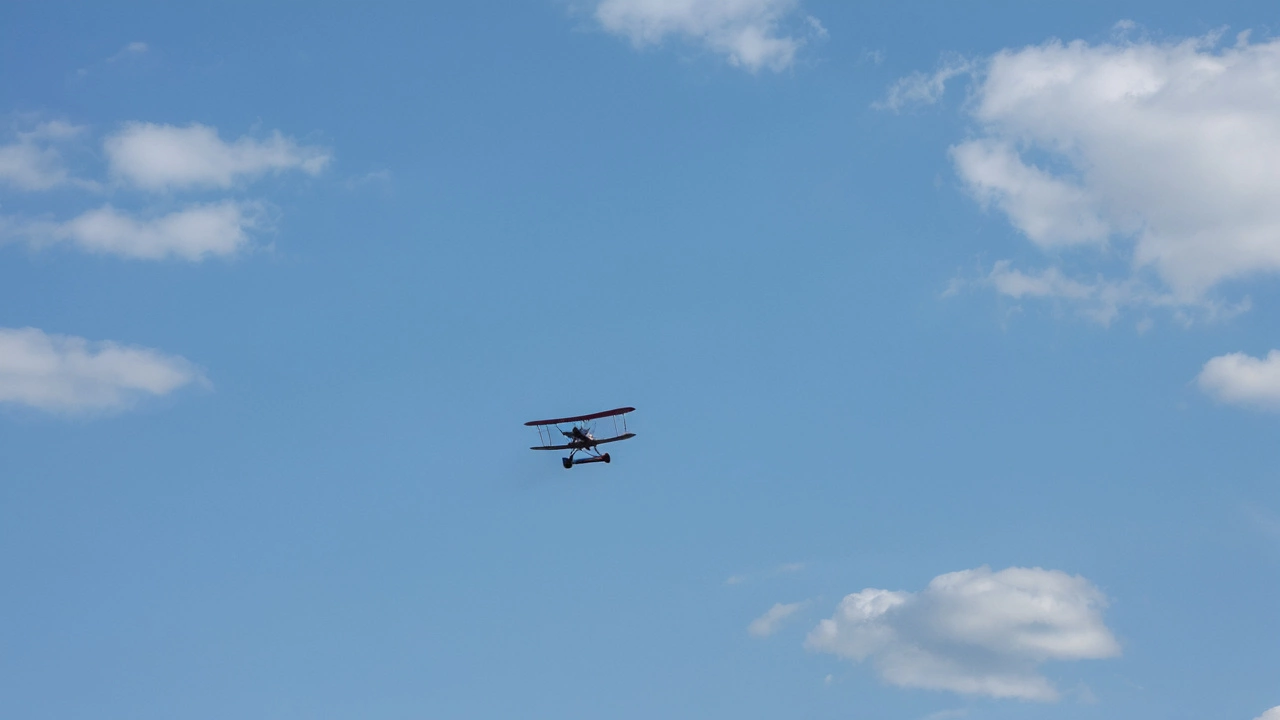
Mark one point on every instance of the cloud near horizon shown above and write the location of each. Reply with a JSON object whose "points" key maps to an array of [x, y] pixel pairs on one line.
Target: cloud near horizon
{"points": [[749, 33], [974, 632], [71, 375]]}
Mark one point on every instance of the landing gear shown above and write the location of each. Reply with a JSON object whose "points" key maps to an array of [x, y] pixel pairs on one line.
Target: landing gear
{"points": [[571, 461]]}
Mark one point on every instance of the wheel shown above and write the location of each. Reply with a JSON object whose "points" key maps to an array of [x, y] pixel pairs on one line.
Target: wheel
{"points": [[606, 457], [567, 463]]}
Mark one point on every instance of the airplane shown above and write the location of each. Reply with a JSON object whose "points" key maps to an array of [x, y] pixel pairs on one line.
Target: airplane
{"points": [[581, 437]]}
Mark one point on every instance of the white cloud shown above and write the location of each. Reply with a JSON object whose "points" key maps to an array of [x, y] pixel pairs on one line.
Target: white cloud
{"points": [[921, 88], [1050, 283], [1100, 300], [161, 157], [28, 167], [748, 32], [1239, 379], [1164, 154], [1272, 714], [974, 631], [53, 130], [193, 233], [768, 623], [63, 374], [1050, 210], [381, 177], [133, 49], [33, 163]]}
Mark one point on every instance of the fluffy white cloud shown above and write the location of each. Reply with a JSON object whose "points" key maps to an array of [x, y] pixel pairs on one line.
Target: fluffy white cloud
{"points": [[973, 632], [1240, 379], [64, 374], [161, 157], [1272, 714], [1050, 210], [1176, 145], [747, 32], [768, 623], [193, 233], [33, 163], [1166, 152]]}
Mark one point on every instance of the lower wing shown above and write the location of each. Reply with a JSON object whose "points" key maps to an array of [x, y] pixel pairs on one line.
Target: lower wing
{"points": [[626, 436]]}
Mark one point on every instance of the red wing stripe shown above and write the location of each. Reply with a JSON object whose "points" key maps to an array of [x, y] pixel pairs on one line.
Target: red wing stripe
{"points": [[580, 418]]}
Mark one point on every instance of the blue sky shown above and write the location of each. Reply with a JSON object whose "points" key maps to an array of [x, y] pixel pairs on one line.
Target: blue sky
{"points": [[949, 330]]}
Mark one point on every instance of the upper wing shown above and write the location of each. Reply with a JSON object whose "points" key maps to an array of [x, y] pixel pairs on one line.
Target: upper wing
{"points": [[579, 418]]}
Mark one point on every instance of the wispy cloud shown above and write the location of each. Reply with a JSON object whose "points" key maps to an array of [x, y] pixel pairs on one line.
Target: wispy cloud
{"points": [[1098, 299], [71, 375], [34, 160], [749, 33], [130, 51], [922, 88], [193, 233], [166, 157], [133, 49], [769, 623], [371, 177]]}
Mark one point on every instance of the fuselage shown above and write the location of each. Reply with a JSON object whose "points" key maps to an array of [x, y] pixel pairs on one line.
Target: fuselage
{"points": [[579, 438]]}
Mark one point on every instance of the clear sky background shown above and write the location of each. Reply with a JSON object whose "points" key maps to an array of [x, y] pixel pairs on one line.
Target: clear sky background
{"points": [[948, 337]]}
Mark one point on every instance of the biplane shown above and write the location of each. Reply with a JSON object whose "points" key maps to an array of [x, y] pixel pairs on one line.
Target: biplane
{"points": [[581, 435]]}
